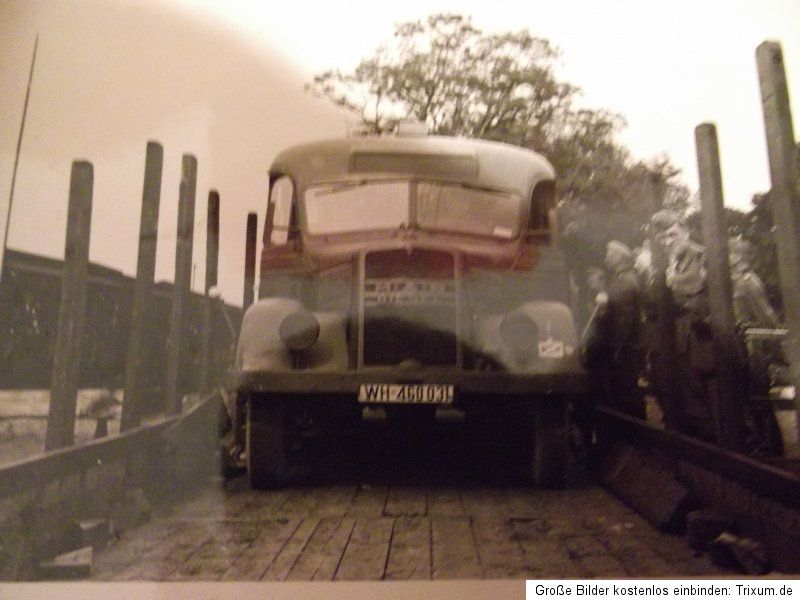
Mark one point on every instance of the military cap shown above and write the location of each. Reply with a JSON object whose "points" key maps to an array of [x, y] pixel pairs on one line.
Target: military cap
{"points": [[619, 248], [664, 219]]}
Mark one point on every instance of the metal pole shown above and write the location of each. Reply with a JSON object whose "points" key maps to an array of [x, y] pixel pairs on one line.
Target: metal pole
{"points": [[732, 397], [182, 287], [250, 260], [212, 259], [784, 196], [142, 331], [16, 155], [72, 313]]}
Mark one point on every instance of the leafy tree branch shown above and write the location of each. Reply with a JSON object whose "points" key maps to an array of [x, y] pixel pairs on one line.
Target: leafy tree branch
{"points": [[461, 81]]}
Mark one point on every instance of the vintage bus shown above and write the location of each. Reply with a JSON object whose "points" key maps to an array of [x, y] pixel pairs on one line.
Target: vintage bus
{"points": [[412, 276]]}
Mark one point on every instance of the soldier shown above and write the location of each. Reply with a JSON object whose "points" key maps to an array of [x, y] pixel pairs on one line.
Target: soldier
{"points": [[752, 309], [750, 304], [643, 265], [581, 251], [686, 270], [622, 326], [594, 352], [686, 280], [596, 288], [610, 348]]}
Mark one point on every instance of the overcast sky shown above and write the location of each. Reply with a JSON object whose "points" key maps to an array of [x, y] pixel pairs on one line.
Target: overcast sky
{"points": [[224, 81], [665, 66]]}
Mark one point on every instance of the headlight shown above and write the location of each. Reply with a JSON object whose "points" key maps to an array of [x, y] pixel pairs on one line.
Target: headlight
{"points": [[519, 334], [299, 330]]}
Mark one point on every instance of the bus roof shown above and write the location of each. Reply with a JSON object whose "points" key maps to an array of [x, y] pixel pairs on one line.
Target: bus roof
{"points": [[476, 162]]}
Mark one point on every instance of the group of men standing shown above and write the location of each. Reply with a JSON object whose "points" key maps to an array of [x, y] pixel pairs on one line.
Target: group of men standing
{"points": [[621, 341]]}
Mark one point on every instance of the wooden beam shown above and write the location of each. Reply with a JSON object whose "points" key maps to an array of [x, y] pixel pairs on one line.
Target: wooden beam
{"points": [[72, 313], [784, 197], [183, 279], [142, 334], [212, 259], [212, 240], [732, 396]]}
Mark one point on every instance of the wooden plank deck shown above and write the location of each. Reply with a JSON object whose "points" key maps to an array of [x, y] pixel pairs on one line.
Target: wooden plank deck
{"points": [[386, 532], [398, 510]]}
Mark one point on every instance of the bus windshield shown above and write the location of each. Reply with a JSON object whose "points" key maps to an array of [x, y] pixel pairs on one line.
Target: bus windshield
{"points": [[360, 206], [455, 208], [463, 209]]}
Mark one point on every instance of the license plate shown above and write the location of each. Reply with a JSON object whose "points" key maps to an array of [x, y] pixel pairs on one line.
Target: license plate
{"points": [[406, 393]]}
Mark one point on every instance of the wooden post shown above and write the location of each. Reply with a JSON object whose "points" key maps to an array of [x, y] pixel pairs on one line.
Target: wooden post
{"points": [[183, 278], [212, 241], [250, 260], [732, 397], [664, 363], [142, 333], [212, 259], [784, 197], [72, 313]]}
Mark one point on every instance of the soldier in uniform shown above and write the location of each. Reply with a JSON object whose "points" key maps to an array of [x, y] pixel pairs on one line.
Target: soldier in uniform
{"points": [[593, 351], [596, 288], [643, 265], [751, 308], [686, 279], [750, 304], [611, 348], [621, 324], [686, 270]]}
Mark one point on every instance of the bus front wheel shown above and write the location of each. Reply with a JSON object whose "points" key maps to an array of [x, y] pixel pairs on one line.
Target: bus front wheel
{"points": [[266, 440], [550, 446]]}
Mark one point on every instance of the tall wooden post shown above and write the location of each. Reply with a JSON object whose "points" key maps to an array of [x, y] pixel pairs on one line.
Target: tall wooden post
{"points": [[72, 313], [784, 197], [250, 260], [732, 397], [212, 260], [183, 279], [141, 314]]}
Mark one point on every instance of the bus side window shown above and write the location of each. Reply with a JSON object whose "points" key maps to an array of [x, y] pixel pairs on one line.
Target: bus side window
{"points": [[282, 209], [542, 202]]}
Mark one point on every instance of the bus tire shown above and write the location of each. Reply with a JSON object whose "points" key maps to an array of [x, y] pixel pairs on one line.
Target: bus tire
{"points": [[266, 441], [550, 447]]}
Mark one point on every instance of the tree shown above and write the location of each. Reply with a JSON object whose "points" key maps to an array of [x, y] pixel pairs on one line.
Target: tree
{"points": [[503, 86], [448, 74]]}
